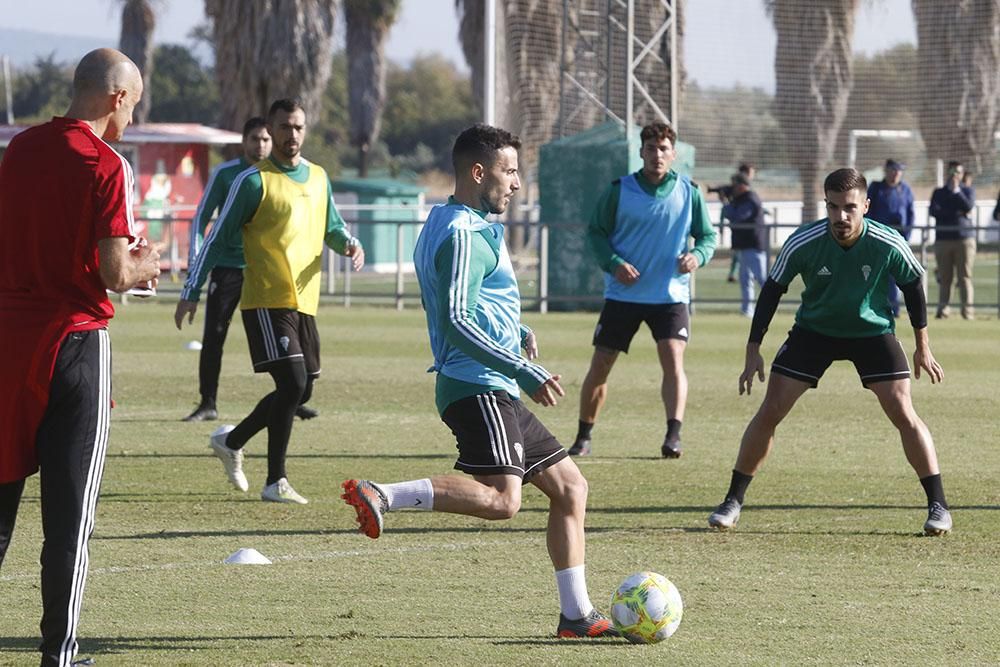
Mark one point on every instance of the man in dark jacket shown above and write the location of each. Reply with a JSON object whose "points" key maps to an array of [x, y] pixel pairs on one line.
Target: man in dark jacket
{"points": [[955, 242], [746, 214]]}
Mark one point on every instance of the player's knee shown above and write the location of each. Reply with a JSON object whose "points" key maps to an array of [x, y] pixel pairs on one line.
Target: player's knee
{"points": [[572, 493], [505, 506]]}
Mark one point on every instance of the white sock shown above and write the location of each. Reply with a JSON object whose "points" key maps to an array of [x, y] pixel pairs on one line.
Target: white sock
{"points": [[416, 494], [573, 599]]}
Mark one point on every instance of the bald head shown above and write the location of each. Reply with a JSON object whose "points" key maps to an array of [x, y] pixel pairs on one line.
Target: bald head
{"points": [[106, 87], [105, 72]]}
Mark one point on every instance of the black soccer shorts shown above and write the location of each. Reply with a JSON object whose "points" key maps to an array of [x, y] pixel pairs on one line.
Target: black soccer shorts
{"points": [[497, 435], [805, 356], [620, 321], [281, 334]]}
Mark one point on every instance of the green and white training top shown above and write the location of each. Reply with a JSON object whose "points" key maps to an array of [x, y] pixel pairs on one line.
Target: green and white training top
{"points": [[846, 289]]}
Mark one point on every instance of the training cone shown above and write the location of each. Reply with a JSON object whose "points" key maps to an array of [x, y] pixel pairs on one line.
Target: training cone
{"points": [[194, 345], [247, 557]]}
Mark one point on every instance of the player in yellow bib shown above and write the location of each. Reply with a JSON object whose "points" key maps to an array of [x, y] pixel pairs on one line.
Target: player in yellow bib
{"points": [[283, 208]]}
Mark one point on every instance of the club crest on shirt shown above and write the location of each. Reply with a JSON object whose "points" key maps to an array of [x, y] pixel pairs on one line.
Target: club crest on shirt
{"points": [[866, 271], [284, 343]]}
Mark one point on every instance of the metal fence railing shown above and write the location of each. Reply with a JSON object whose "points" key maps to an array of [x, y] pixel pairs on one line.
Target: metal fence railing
{"points": [[531, 252]]}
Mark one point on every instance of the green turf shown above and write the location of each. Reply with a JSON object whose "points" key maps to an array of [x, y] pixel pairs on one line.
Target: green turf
{"points": [[827, 567]]}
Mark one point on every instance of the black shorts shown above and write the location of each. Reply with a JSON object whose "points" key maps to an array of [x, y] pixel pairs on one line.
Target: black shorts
{"points": [[498, 435], [281, 334], [806, 355], [620, 320]]}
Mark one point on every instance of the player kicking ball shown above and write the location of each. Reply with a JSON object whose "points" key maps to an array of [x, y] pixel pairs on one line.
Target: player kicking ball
{"points": [[473, 307], [846, 262]]}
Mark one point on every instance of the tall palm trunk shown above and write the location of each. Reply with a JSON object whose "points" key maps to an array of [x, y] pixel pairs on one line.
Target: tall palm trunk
{"points": [[368, 23], [270, 49], [813, 72], [136, 41], [958, 54]]}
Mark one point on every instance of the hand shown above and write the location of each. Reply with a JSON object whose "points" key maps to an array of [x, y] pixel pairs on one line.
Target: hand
{"points": [[626, 274], [531, 346], [754, 365], [147, 261], [687, 263], [185, 307], [922, 358], [547, 393], [357, 255]]}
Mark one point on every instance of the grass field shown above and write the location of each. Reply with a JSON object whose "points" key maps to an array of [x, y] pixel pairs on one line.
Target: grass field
{"points": [[828, 565]]}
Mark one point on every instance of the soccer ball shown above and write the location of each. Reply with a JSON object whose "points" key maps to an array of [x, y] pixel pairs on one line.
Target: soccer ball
{"points": [[646, 608]]}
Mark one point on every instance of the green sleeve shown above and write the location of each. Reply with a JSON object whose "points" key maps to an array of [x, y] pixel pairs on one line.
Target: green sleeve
{"points": [[602, 224], [459, 281], [226, 232], [525, 332], [701, 229], [213, 199], [337, 236]]}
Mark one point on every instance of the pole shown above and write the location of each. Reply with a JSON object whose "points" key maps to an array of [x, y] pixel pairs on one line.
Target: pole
{"points": [[674, 75], [8, 88], [490, 63]]}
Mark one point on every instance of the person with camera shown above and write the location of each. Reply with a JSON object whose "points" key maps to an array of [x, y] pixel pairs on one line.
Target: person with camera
{"points": [[749, 238]]}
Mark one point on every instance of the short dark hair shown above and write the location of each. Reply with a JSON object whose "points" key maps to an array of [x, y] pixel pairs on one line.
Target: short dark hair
{"points": [[845, 180], [480, 143], [746, 167], [955, 163], [252, 124], [286, 104], [658, 131]]}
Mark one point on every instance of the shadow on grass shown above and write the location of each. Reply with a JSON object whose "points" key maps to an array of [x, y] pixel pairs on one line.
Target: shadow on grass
{"points": [[97, 646], [207, 455], [113, 645]]}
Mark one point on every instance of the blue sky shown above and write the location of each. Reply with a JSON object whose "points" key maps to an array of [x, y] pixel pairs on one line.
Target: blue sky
{"points": [[727, 41]]}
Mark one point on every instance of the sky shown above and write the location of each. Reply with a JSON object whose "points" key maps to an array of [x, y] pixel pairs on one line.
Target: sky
{"points": [[727, 41]]}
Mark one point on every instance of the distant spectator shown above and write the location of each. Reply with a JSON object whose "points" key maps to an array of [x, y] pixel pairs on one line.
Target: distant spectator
{"points": [[746, 213], [955, 244], [725, 193], [892, 204]]}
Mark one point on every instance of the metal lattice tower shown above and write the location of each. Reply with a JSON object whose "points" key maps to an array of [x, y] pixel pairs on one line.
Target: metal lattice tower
{"points": [[616, 63]]}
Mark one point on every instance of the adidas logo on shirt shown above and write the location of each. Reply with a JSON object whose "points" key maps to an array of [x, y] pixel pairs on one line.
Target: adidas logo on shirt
{"points": [[824, 271]]}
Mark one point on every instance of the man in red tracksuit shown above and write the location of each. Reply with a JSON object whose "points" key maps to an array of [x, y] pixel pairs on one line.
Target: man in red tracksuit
{"points": [[66, 237]]}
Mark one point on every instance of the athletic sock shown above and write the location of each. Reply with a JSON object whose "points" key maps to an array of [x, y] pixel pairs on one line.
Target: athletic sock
{"points": [[574, 603], [738, 486], [583, 430], [673, 429], [934, 489], [417, 494]]}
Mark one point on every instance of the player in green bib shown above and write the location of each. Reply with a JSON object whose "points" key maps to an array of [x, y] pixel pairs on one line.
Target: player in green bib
{"points": [[846, 262]]}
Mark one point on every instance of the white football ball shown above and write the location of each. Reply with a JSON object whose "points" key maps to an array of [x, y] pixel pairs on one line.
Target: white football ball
{"points": [[646, 608]]}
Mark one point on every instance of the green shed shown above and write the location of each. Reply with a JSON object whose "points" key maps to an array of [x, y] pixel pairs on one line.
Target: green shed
{"points": [[379, 229], [573, 171]]}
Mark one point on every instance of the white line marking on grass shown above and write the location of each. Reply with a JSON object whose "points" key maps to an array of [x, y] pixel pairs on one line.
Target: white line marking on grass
{"points": [[288, 558]]}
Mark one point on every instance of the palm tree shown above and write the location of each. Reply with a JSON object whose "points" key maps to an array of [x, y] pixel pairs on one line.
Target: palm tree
{"points": [[958, 56], [813, 72], [136, 41], [368, 23], [270, 49]]}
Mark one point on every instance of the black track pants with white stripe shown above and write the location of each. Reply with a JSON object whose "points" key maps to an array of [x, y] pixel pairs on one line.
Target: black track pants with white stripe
{"points": [[71, 443]]}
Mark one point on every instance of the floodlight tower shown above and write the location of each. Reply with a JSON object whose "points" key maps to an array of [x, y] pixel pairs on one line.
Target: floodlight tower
{"points": [[618, 62]]}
